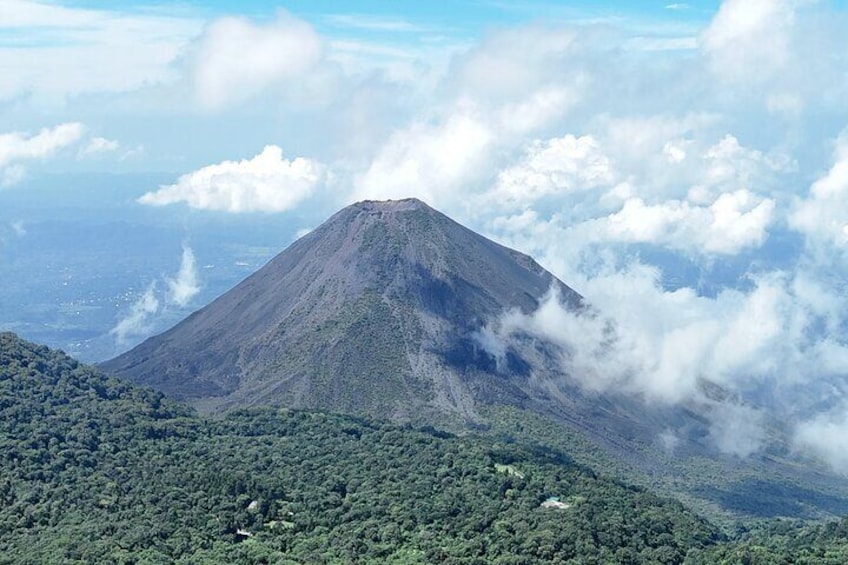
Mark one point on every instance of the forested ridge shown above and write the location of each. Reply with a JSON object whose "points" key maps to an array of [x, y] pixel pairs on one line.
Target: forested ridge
{"points": [[95, 470]]}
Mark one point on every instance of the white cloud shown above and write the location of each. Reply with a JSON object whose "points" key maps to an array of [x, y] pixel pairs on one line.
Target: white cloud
{"points": [[120, 51], [558, 165], [148, 309], [659, 343], [99, 145], [630, 186], [494, 97], [185, 285], [686, 158], [137, 322], [538, 109], [132, 153], [20, 146], [675, 150], [663, 344], [750, 39], [729, 162], [823, 215], [515, 63], [735, 221], [826, 437], [429, 161], [737, 430], [265, 183], [236, 59]]}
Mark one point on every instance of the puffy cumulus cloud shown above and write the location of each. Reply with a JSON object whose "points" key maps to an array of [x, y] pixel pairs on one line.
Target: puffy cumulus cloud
{"points": [[634, 138], [750, 39], [236, 58], [482, 115], [775, 342], [687, 158], [558, 165], [684, 195], [185, 286], [266, 183], [735, 221], [823, 215], [19, 146], [786, 57], [430, 161], [729, 161]]}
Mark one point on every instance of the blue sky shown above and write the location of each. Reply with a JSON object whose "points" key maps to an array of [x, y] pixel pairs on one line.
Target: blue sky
{"points": [[684, 165], [469, 14]]}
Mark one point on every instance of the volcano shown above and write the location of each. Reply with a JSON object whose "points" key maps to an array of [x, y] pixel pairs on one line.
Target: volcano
{"points": [[376, 312]]}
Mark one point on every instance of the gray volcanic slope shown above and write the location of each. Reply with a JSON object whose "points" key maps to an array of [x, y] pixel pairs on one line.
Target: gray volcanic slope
{"points": [[374, 313]]}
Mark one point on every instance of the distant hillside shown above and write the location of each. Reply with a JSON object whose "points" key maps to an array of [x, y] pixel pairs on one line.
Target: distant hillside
{"points": [[96, 470]]}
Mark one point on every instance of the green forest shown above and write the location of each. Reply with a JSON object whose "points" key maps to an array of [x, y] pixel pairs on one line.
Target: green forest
{"points": [[96, 470]]}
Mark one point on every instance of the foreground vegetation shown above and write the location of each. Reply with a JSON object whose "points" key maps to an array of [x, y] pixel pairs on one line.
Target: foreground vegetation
{"points": [[93, 470]]}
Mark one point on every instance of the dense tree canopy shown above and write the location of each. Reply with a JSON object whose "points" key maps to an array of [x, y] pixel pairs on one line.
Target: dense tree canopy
{"points": [[96, 470]]}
